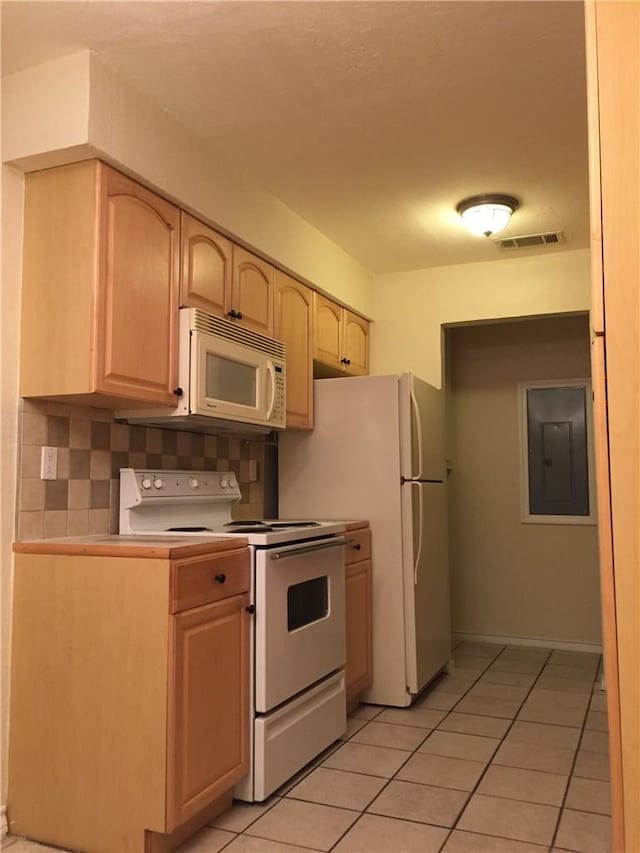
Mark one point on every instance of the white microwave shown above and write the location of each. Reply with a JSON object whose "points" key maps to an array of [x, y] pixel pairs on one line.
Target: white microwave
{"points": [[230, 379]]}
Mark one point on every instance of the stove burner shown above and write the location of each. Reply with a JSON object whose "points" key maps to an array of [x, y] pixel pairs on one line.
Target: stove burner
{"points": [[271, 525], [186, 529], [252, 528]]}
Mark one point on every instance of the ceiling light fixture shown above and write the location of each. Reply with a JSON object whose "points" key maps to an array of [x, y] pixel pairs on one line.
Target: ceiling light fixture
{"points": [[485, 215]]}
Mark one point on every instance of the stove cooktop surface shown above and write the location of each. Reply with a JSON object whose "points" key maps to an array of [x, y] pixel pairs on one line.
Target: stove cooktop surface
{"points": [[256, 526]]}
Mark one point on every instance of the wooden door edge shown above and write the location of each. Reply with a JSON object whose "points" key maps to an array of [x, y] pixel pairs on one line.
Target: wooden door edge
{"points": [[606, 562]]}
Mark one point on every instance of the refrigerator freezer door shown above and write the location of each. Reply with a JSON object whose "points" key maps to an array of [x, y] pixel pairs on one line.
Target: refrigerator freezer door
{"points": [[422, 448], [426, 582]]}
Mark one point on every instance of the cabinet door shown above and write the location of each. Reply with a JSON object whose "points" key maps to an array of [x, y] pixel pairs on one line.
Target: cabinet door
{"points": [[252, 291], [618, 74], [358, 668], [205, 274], [355, 345], [138, 292], [327, 331], [208, 705], [294, 326]]}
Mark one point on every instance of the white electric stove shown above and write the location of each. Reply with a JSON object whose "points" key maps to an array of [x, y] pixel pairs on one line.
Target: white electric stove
{"points": [[298, 702]]}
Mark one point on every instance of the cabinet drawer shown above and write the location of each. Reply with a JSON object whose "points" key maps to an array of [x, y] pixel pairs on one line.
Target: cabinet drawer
{"points": [[201, 580], [359, 547]]}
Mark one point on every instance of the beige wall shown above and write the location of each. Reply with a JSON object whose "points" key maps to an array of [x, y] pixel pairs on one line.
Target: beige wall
{"points": [[56, 119], [106, 117], [508, 578], [411, 307]]}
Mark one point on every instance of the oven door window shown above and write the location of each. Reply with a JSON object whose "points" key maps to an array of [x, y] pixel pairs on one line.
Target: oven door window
{"points": [[231, 381], [307, 602]]}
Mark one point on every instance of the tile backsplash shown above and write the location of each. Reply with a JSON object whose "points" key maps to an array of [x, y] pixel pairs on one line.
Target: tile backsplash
{"points": [[92, 447]]}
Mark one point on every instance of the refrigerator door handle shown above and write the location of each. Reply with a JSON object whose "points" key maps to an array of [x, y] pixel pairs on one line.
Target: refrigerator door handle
{"points": [[416, 412], [416, 562]]}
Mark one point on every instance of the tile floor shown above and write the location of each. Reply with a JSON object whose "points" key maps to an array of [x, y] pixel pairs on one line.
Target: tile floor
{"points": [[508, 754]]}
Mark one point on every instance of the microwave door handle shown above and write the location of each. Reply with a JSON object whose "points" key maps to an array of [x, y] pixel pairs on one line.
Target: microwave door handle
{"points": [[272, 374]]}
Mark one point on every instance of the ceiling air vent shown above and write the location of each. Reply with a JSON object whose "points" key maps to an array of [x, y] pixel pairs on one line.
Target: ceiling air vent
{"points": [[526, 241]]}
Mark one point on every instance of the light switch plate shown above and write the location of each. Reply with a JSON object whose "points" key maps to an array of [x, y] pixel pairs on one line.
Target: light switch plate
{"points": [[49, 463]]}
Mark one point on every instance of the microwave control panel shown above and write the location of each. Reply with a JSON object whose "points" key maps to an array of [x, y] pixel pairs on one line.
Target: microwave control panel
{"points": [[278, 415]]}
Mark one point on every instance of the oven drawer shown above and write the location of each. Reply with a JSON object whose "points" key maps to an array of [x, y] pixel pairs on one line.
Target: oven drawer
{"points": [[293, 735], [358, 547], [201, 580]]}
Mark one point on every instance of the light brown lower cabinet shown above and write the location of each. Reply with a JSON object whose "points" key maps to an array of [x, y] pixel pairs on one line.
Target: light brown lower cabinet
{"points": [[210, 704], [358, 668], [129, 703], [294, 326]]}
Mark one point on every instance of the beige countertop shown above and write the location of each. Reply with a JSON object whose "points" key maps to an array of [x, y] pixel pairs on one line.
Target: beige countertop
{"points": [[354, 525], [113, 545]]}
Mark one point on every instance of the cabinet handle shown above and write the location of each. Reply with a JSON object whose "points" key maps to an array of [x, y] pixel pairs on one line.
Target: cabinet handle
{"points": [[357, 546], [343, 361], [233, 314], [221, 578], [239, 315], [251, 609], [347, 361], [178, 392]]}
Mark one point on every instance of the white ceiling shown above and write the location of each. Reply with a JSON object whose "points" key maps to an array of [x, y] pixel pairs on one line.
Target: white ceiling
{"points": [[369, 119]]}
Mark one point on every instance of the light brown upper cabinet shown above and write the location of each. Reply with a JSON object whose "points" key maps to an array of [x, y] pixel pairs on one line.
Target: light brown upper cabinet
{"points": [[225, 279], [328, 332], [252, 289], [100, 288], [355, 343], [294, 326], [205, 280], [341, 338]]}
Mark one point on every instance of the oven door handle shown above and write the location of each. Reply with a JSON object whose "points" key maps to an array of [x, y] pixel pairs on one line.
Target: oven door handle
{"points": [[307, 549]]}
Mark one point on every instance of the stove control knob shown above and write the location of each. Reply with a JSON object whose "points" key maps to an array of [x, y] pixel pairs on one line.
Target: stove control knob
{"points": [[158, 483], [146, 483], [193, 483], [224, 484]]}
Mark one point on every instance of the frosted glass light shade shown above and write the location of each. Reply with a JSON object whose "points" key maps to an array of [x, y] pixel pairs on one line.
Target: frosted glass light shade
{"points": [[486, 215]]}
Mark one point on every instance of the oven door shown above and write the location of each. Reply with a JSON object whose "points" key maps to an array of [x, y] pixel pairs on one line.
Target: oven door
{"points": [[300, 628]]}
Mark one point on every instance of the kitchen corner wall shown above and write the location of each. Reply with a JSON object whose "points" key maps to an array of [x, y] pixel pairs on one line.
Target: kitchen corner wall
{"points": [[92, 448], [411, 308]]}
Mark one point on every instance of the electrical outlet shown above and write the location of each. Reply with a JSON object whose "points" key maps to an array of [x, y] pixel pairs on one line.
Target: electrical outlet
{"points": [[49, 463]]}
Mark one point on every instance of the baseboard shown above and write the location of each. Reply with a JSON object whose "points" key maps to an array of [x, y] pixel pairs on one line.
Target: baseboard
{"points": [[544, 643], [4, 826]]}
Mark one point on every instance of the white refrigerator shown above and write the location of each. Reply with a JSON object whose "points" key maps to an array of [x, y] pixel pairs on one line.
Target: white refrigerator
{"points": [[377, 453]]}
